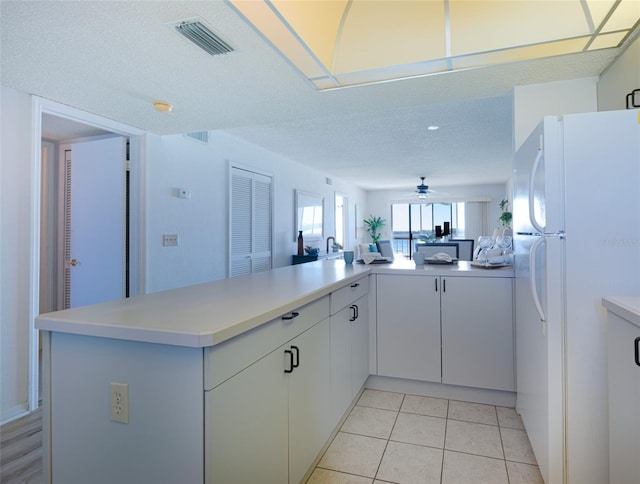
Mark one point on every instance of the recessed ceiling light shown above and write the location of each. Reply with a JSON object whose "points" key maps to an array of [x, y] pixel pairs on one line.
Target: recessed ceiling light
{"points": [[163, 106], [433, 128]]}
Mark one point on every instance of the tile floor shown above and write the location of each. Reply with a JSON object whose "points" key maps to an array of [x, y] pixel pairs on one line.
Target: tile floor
{"points": [[393, 437]]}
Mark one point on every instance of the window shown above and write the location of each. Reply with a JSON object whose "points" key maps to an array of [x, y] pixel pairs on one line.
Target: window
{"points": [[341, 219], [415, 221]]}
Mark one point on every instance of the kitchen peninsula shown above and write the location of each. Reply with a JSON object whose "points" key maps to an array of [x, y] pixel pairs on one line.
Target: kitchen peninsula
{"points": [[246, 379]]}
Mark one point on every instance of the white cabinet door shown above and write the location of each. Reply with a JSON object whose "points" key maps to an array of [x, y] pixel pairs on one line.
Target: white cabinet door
{"points": [[268, 425], [624, 401], [477, 332], [247, 422], [408, 327], [349, 344], [340, 362], [310, 422], [359, 345]]}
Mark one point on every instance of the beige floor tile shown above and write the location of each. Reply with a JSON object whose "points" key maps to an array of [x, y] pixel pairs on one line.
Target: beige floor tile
{"points": [[434, 407], [380, 399], [354, 454], [473, 412], [419, 429], [326, 476], [472, 469], [507, 417], [516, 446], [408, 464], [372, 422], [476, 444], [520, 473], [474, 438]]}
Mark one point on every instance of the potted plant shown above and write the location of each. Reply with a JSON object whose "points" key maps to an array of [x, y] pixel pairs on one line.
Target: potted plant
{"points": [[374, 227], [506, 216]]}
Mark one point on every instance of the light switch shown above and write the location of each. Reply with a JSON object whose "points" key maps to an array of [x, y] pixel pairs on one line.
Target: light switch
{"points": [[170, 240]]}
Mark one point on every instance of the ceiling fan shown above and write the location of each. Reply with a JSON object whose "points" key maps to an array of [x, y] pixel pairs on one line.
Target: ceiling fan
{"points": [[422, 190]]}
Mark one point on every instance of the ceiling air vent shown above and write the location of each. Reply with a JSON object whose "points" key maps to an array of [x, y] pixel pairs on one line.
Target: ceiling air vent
{"points": [[202, 136], [203, 37]]}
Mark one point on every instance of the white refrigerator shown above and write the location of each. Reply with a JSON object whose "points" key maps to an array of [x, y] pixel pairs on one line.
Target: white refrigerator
{"points": [[576, 223]]}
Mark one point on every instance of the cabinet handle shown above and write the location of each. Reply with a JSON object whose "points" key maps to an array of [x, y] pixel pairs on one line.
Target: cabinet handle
{"points": [[290, 353], [637, 345], [436, 284], [297, 358], [292, 315], [357, 284], [353, 313], [357, 311], [444, 285]]}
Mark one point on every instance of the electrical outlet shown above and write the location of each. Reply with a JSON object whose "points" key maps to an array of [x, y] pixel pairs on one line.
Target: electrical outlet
{"points": [[119, 396]]}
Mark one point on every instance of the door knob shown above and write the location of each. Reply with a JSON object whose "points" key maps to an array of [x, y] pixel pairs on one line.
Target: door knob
{"points": [[73, 262]]}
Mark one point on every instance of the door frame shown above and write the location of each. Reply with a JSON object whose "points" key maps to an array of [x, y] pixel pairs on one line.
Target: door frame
{"points": [[137, 156]]}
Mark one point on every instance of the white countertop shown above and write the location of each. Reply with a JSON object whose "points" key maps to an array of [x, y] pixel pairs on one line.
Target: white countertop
{"points": [[627, 307], [207, 314]]}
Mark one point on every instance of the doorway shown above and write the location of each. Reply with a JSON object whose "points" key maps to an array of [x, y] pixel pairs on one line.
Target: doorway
{"points": [[54, 125], [84, 229]]}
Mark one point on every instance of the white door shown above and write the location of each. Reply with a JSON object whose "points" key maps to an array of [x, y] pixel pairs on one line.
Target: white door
{"points": [[251, 216], [96, 221]]}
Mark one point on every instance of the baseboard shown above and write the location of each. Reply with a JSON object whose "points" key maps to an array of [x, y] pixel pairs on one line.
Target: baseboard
{"points": [[441, 390]]}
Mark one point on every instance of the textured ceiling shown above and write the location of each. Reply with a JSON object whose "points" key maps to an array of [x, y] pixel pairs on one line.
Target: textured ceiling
{"points": [[114, 58]]}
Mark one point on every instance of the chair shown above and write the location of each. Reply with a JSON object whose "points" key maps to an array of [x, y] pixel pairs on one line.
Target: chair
{"points": [[431, 249], [385, 248], [465, 248]]}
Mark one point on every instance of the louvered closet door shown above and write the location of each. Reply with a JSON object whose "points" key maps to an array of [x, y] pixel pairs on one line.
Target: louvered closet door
{"points": [[251, 222], [261, 260]]}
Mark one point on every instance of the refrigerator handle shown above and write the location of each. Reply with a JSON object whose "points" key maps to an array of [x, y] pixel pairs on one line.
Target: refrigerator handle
{"points": [[532, 213], [532, 277]]}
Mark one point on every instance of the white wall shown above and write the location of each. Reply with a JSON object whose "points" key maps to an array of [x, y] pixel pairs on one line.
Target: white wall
{"points": [[532, 103], [379, 201], [15, 233], [201, 222], [620, 79]]}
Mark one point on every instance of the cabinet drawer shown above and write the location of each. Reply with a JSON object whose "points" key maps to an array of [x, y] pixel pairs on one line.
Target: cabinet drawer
{"points": [[230, 357], [348, 294]]}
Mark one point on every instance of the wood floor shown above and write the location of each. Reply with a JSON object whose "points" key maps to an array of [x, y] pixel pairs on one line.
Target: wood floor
{"points": [[21, 450]]}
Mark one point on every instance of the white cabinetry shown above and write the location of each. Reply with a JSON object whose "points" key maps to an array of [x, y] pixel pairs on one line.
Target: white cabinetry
{"points": [[455, 330], [246, 425], [359, 345], [624, 397], [269, 421], [408, 327], [477, 332], [349, 344], [310, 422]]}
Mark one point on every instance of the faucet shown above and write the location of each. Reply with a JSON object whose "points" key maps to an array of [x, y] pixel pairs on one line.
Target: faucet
{"points": [[334, 241]]}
